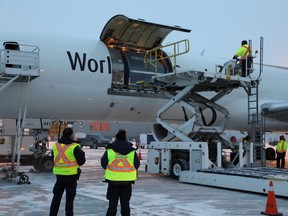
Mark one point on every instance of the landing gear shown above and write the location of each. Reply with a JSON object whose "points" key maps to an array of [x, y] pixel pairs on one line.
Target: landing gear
{"points": [[36, 163], [46, 163], [43, 163]]}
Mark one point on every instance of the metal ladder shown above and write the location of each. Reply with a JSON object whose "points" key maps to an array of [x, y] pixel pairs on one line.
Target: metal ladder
{"points": [[254, 120], [253, 103]]}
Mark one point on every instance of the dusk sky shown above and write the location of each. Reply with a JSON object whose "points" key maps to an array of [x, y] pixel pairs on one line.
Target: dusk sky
{"points": [[217, 26]]}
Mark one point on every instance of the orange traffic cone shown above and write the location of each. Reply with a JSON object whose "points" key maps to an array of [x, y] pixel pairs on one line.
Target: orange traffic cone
{"points": [[271, 206], [139, 154]]}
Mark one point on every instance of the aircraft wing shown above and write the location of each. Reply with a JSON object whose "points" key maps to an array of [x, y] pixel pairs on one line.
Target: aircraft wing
{"points": [[277, 110], [127, 32]]}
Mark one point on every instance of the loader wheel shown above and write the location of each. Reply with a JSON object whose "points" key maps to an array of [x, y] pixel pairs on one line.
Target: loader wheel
{"points": [[178, 166], [46, 164], [270, 154], [23, 179]]}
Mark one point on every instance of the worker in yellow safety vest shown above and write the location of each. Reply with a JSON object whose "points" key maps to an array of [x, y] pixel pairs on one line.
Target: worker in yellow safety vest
{"points": [[67, 156], [120, 162], [244, 56], [281, 149]]}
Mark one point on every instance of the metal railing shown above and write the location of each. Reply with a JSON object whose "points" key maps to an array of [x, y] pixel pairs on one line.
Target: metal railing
{"points": [[156, 54], [23, 61]]}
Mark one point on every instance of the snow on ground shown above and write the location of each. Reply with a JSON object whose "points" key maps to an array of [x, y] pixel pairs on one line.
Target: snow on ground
{"points": [[153, 195]]}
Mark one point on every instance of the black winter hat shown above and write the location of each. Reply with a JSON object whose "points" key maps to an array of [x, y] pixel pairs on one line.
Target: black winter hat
{"points": [[121, 135], [244, 42], [67, 132]]}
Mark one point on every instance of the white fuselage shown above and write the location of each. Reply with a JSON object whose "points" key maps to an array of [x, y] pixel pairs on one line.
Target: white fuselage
{"points": [[75, 76]]}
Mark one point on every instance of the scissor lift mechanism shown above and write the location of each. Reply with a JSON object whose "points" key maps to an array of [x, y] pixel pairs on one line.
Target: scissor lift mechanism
{"points": [[183, 88]]}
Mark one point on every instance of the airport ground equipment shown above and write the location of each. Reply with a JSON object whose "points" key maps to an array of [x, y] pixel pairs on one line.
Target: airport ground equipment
{"points": [[194, 149], [195, 143], [9, 172], [20, 63]]}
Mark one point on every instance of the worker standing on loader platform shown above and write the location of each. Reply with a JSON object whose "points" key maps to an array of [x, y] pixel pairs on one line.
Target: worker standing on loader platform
{"points": [[281, 149], [245, 55]]}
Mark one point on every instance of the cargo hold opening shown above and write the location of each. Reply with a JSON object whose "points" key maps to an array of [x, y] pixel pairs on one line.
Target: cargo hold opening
{"points": [[127, 41]]}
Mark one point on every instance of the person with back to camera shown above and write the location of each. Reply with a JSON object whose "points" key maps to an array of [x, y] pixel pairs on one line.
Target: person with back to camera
{"points": [[68, 157], [120, 162], [281, 149], [245, 55]]}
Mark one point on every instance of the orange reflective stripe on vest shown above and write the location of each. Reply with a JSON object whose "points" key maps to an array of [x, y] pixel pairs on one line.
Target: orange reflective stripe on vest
{"points": [[120, 167], [116, 166], [61, 155], [245, 53]]}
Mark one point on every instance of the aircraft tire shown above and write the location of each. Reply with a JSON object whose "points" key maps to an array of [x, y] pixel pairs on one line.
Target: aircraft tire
{"points": [[46, 164], [177, 166], [270, 153], [36, 163]]}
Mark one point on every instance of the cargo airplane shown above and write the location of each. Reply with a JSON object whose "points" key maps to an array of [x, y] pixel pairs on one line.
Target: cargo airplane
{"points": [[74, 78], [57, 77]]}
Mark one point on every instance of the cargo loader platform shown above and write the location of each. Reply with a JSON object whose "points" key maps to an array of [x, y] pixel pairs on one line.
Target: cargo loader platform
{"points": [[254, 180]]}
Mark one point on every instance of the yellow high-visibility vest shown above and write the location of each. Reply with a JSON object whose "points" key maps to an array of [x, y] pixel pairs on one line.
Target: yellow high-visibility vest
{"points": [[120, 167], [281, 146], [65, 162], [244, 51]]}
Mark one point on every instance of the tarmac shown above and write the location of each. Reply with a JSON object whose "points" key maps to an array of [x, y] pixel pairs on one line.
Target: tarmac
{"points": [[153, 195]]}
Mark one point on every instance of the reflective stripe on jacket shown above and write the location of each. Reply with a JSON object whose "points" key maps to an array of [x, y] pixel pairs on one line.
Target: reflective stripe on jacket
{"points": [[281, 146], [120, 167], [65, 162], [243, 51]]}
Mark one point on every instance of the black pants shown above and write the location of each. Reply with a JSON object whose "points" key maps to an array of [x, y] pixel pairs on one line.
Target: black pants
{"points": [[116, 191], [68, 183], [246, 64], [281, 157]]}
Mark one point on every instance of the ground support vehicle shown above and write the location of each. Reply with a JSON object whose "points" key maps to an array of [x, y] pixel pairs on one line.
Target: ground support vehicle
{"points": [[193, 149], [196, 167], [145, 139], [94, 141]]}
